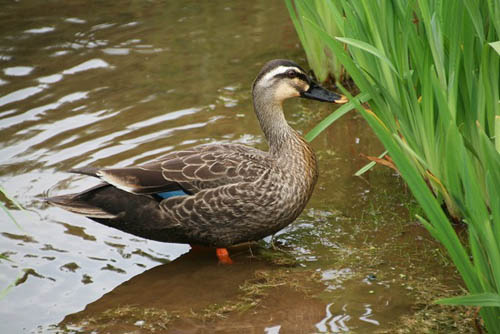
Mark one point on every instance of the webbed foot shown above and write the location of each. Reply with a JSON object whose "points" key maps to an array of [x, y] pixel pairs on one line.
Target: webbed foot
{"points": [[223, 256]]}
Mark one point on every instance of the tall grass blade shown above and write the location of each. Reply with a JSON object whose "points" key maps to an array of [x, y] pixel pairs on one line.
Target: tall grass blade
{"points": [[496, 46], [369, 165], [369, 48], [7, 211], [321, 126], [480, 299], [497, 133]]}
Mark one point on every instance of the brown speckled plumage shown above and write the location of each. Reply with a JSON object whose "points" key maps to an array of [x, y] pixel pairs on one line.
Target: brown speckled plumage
{"points": [[234, 193]]}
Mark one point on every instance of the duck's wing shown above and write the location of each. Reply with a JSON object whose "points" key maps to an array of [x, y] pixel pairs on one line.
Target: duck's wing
{"points": [[192, 170]]}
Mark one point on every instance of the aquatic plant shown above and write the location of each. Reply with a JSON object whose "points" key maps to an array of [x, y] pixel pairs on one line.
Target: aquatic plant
{"points": [[6, 210], [4, 291], [430, 72], [319, 56]]}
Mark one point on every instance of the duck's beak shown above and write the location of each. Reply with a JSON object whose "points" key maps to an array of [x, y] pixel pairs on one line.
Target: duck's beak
{"points": [[316, 92]]}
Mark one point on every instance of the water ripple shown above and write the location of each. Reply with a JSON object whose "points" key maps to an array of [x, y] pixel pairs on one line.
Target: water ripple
{"points": [[334, 322], [75, 20], [20, 94], [41, 30], [164, 117], [18, 71], [50, 78], [87, 65], [36, 113]]}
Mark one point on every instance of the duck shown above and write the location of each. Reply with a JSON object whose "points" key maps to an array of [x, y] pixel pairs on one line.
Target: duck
{"points": [[215, 195]]}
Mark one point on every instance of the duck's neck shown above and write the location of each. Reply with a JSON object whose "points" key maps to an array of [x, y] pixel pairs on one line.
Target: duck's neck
{"points": [[282, 139]]}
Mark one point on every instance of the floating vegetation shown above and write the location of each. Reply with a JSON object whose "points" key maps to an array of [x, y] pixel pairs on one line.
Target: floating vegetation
{"points": [[254, 290], [120, 318]]}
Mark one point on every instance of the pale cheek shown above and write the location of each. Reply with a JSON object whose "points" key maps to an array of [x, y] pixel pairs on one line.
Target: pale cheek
{"points": [[285, 92], [299, 83]]}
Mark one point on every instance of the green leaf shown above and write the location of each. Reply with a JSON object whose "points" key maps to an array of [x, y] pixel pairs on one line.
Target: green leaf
{"points": [[369, 165], [16, 203], [6, 210], [495, 46], [344, 109], [479, 299], [368, 48], [497, 133]]}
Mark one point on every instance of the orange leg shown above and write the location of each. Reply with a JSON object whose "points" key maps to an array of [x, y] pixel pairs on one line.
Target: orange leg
{"points": [[223, 256]]}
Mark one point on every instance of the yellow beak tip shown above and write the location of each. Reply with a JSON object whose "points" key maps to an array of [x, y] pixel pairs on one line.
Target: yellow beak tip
{"points": [[342, 100]]}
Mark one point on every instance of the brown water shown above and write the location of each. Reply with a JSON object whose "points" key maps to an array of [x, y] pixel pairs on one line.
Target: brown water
{"points": [[120, 83]]}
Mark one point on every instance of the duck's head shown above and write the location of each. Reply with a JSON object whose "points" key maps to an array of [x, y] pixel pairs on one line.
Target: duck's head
{"points": [[281, 79]]}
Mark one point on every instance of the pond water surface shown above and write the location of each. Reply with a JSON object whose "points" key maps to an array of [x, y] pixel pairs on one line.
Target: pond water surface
{"points": [[108, 83]]}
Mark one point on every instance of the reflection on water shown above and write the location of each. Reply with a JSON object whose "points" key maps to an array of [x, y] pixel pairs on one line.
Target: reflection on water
{"points": [[339, 322], [119, 83], [333, 324]]}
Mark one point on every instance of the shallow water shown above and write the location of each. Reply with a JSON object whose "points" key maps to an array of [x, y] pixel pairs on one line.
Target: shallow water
{"points": [[120, 83]]}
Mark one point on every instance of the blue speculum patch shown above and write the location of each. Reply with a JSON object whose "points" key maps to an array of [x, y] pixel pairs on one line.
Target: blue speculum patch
{"points": [[172, 193]]}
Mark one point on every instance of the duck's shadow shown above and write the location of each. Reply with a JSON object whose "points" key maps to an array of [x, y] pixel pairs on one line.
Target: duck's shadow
{"points": [[184, 288]]}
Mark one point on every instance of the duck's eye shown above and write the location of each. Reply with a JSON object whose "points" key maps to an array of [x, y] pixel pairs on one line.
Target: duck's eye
{"points": [[291, 74]]}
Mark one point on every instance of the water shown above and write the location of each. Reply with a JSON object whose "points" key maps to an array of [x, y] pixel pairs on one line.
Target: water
{"points": [[120, 83]]}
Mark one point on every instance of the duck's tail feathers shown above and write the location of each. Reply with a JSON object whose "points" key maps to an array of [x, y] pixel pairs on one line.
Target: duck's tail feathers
{"points": [[76, 203], [88, 170]]}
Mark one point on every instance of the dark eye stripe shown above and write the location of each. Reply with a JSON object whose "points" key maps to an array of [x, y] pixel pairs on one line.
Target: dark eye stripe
{"points": [[300, 76], [303, 77]]}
